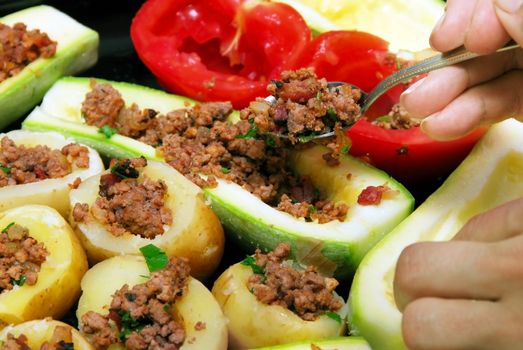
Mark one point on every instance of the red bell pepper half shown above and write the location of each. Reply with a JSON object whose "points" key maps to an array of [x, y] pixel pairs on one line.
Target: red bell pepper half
{"points": [[220, 49]]}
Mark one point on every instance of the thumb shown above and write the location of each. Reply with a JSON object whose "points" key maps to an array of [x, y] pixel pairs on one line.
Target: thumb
{"points": [[510, 14]]}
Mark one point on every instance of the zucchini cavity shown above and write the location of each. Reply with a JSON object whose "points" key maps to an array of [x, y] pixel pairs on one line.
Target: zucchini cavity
{"points": [[77, 50], [336, 247]]}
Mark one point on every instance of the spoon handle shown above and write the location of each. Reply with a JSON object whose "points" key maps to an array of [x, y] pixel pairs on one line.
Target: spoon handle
{"points": [[445, 59]]}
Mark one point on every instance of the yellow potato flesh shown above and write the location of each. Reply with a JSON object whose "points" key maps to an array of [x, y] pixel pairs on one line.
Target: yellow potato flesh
{"points": [[195, 233], [254, 324], [58, 284], [196, 305], [41, 331], [50, 192]]}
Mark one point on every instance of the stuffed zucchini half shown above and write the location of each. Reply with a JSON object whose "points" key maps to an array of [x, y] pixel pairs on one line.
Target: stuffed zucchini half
{"points": [[42, 167], [166, 209], [34, 334], [491, 175], [76, 50], [55, 252], [192, 321], [336, 246]]}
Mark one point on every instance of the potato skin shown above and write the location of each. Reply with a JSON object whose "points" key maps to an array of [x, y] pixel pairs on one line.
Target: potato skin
{"points": [[39, 331], [50, 192], [253, 324], [198, 304], [58, 285], [196, 232]]}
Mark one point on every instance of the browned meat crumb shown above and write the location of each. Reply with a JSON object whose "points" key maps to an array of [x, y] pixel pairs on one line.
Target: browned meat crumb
{"points": [[21, 257], [372, 195], [397, 118], [141, 316], [20, 164], [305, 105], [102, 105], [200, 326], [304, 292], [134, 205], [75, 183], [20, 47]]}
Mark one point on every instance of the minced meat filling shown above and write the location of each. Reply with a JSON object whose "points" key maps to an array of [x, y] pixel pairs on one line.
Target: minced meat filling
{"points": [[200, 140], [304, 292], [19, 47], [305, 105], [21, 257], [62, 339], [397, 118], [21, 164], [141, 317], [127, 203]]}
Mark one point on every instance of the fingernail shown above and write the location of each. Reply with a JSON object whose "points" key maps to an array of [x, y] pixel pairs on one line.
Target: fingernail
{"points": [[439, 22], [413, 87], [429, 119], [509, 6]]}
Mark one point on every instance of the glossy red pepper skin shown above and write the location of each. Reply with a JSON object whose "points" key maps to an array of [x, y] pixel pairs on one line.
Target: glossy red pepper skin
{"points": [[220, 49]]}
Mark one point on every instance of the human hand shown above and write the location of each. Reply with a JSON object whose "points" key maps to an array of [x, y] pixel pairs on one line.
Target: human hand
{"points": [[466, 293], [456, 99]]}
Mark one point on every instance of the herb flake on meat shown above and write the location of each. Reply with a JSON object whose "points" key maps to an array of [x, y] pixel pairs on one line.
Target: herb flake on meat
{"points": [[125, 170], [19, 282], [251, 262], [8, 227], [251, 133], [155, 258], [333, 315], [5, 169]]}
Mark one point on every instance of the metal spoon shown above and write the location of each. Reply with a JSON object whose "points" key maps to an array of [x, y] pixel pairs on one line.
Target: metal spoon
{"points": [[438, 61]]}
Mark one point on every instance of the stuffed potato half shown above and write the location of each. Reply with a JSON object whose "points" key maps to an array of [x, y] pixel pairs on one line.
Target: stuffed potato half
{"points": [[50, 192], [196, 305], [254, 324], [58, 284], [195, 232], [40, 331]]}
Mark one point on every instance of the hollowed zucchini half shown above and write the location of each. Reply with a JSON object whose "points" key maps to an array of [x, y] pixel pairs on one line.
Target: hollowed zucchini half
{"points": [[40, 331], [50, 192], [254, 324], [58, 284], [77, 50], [196, 305], [492, 174], [336, 247], [195, 232]]}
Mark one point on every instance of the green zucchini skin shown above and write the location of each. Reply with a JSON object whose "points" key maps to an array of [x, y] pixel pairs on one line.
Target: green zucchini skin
{"points": [[77, 50], [336, 247], [492, 174], [339, 343]]}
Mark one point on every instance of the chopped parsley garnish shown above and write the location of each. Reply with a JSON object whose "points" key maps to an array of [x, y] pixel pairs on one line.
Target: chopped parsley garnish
{"points": [[345, 149], [384, 119], [166, 307], [269, 140], [225, 170], [251, 133], [155, 258], [398, 63], [107, 131], [307, 138], [129, 325], [124, 170], [19, 282], [278, 83], [312, 209], [5, 169], [331, 113], [318, 95], [7, 227], [336, 317], [251, 262]]}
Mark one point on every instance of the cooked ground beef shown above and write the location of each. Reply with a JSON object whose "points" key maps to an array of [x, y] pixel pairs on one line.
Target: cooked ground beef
{"points": [[131, 204], [200, 140], [397, 118], [141, 316], [62, 339], [21, 257], [372, 195], [304, 292], [21, 165], [305, 105], [21, 47]]}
